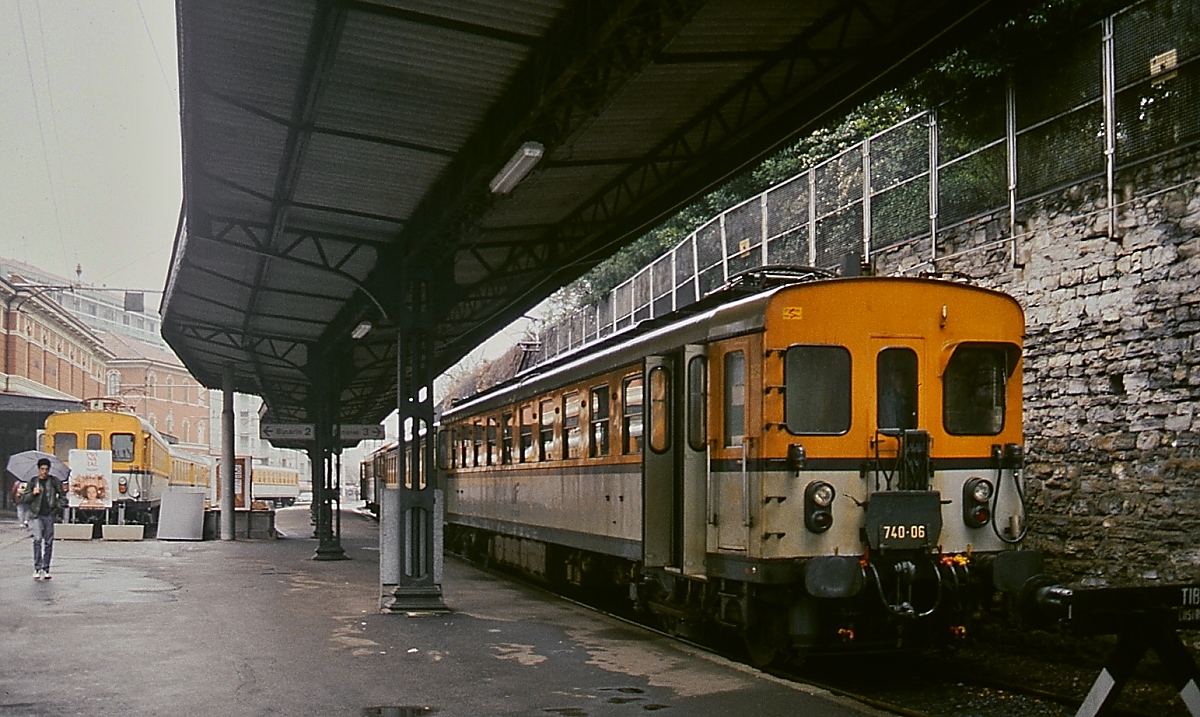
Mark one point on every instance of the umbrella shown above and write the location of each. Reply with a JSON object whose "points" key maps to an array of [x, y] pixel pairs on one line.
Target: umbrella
{"points": [[23, 465]]}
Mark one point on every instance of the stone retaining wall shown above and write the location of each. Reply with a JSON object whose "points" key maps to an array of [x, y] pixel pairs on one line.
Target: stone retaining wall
{"points": [[1112, 366]]}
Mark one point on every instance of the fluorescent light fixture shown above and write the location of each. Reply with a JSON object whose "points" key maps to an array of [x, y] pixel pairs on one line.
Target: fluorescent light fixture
{"points": [[515, 170], [361, 330]]}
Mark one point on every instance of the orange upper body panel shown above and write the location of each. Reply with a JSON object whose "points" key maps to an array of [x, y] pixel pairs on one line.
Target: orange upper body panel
{"points": [[867, 315]]}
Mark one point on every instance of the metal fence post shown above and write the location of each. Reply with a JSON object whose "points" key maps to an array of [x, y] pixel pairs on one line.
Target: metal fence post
{"points": [[933, 186], [866, 198], [1010, 139], [1108, 72]]}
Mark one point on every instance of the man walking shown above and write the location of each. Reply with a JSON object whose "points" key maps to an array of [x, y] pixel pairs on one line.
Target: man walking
{"points": [[43, 495]]}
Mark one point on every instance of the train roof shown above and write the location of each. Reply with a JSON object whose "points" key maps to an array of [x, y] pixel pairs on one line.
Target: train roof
{"points": [[737, 310]]}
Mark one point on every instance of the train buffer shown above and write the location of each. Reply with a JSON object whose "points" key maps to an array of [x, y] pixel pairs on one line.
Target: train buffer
{"points": [[1142, 618]]}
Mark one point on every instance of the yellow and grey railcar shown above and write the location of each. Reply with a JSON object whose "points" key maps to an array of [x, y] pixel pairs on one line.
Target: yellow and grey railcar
{"points": [[810, 464], [276, 485], [141, 458]]}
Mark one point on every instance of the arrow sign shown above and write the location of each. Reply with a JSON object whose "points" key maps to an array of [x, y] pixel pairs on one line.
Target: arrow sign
{"points": [[361, 432], [287, 431]]}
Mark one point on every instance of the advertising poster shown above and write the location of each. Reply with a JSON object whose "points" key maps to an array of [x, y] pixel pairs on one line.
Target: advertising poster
{"points": [[91, 484], [240, 484]]}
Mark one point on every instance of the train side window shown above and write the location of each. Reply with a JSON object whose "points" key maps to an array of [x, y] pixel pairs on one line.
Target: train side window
{"points": [[443, 455], [896, 388], [974, 388], [659, 412], [816, 381], [527, 449], [492, 456], [480, 459], [64, 443], [464, 446], [122, 447], [452, 449], [506, 438], [697, 408], [631, 426], [546, 432], [572, 438], [598, 419], [93, 442], [735, 397]]}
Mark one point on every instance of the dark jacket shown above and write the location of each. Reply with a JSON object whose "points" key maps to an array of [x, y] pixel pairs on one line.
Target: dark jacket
{"points": [[53, 491]]}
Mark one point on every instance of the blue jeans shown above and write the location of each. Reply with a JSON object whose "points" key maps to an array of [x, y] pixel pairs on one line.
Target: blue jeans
{"points": [[43, 540]]}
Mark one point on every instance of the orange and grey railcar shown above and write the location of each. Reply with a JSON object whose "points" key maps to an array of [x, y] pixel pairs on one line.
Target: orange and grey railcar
{"points": [[807, 463]]}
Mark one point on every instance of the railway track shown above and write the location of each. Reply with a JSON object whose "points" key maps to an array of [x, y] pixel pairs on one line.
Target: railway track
{"points": [[916, 685]]}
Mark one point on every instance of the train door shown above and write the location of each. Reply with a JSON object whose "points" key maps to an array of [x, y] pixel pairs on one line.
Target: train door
{"points": [[675, 493], [731, 438], [659, 494], [693, 447]]}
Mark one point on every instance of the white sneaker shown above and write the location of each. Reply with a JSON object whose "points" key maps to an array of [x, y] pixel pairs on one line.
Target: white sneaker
{"points": [[45, 575], [37, 575]]}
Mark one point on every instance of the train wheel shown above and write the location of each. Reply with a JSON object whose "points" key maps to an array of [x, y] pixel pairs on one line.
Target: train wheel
{"points": [[766, 637]]}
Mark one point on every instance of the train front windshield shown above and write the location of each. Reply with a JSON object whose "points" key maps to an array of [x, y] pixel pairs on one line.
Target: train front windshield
{"points": [[975, 385]]}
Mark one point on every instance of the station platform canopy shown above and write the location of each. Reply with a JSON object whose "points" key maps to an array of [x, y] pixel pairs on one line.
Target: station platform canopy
{"points": [[499, 148]]}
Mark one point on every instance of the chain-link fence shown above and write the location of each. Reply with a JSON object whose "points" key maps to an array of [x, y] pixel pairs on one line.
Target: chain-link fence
{"points": [[1119, 93]]}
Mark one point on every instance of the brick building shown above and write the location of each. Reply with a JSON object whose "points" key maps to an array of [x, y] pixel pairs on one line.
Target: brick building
{"points": [[49, 361], [153, 383]]}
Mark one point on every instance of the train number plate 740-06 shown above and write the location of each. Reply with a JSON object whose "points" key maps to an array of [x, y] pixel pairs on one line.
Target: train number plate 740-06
{"points": [[904, 520]]}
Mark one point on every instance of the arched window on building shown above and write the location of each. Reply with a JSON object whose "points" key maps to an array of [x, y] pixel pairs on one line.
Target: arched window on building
{"points": [[152, 385], [170, 388], [201, 433], [187, 431], [170, 420], [114, 383]]}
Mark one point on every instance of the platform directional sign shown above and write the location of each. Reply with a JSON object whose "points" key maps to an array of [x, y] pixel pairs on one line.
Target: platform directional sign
{"points": [[361, 432], [287, 431]]}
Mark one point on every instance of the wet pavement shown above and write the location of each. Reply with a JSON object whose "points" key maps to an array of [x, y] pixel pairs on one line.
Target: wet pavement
{"points": [[259, 628]]}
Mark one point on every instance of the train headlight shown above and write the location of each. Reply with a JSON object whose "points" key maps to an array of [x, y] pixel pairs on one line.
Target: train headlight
{"points": [[818, 502], [982, 492], [976, 494]]}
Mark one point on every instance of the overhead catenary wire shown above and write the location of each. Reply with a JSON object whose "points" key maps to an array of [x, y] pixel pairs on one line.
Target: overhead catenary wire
{"points": [[41, 131], [157, 57]]}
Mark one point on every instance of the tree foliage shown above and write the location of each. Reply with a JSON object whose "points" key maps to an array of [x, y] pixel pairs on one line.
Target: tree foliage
{"points": [[960, 78]]}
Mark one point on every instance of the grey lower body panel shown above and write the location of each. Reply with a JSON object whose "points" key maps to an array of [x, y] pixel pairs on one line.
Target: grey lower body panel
{"points": [[617, 547]]}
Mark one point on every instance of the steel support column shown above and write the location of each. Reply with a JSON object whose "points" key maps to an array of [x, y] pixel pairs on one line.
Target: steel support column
{"points": [[411, 511], [320, 453], [226, 474]]}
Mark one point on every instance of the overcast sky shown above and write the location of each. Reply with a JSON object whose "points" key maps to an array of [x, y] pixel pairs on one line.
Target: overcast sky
{"points": [[89, 138]]}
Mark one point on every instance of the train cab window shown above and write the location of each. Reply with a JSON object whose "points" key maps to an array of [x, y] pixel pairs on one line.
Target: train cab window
{"points": [[527, 448], [697, 402], [122, 447], [631, 425], [735, 397], [598, 420], [974, 387], [452, 448], [816, 385], [492, 457], [93, 442], [480, 458], [896, 388], [64, 443], [659, 415], [572, 438], [506, 438], [546, 432]]}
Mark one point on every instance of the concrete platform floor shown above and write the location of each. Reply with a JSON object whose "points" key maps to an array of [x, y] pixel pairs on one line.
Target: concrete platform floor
{"points": [[258, 628]]}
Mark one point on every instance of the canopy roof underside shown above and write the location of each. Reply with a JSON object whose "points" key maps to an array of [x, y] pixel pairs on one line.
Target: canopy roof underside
{"points": [[329, 147]]}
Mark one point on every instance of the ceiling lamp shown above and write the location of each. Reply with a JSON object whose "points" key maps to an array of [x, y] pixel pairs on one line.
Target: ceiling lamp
{"points": [[515, 170]]}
